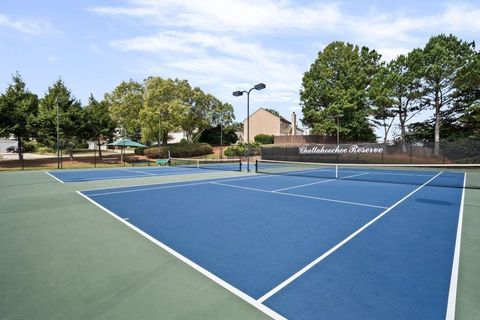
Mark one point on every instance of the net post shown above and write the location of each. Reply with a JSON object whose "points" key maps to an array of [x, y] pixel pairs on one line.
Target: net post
{"points": [[336, 171], [256, 166]]}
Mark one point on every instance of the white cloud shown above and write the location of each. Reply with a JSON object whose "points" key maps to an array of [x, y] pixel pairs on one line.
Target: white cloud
{"points": [[29, 26], [232, 44], [259, 16], [215, 59], [460, 17]]}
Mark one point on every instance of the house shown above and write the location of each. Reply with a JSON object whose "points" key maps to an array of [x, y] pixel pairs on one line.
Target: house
{"points": [[263, 121]]}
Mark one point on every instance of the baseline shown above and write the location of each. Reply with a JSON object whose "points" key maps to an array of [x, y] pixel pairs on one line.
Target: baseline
{"points": [[51, 175]]}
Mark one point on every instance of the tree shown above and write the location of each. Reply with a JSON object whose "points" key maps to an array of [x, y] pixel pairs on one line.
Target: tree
{"points": [[18, 109], [212, 136], [98, 122], [125, 103], [205, 111], [382, 102], [164, 107], [396, 90], [337, 83], [70, 118], [444, 57], [467, 102]]}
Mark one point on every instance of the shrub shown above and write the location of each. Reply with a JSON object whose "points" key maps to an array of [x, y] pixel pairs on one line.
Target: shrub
{"points": [[139, 151], [44, 150], [264, 138], [81, 145], [152, 153], [181, 150], [240, 150], [29, 146]]}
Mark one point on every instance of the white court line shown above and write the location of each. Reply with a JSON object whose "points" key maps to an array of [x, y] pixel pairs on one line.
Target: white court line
{"points": [[299, 195], [136, 171], [452, 294], [193, 265], [146, 189], [130, 177], [165, 186], [51, 175], [336, 247], [324, 181], [400, 174], [331, 200]]}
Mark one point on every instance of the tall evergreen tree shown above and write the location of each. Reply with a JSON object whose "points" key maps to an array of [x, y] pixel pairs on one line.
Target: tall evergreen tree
{"points": [[18, 109], [396, 92], [444, 57], [60, 108], [97, 121]]}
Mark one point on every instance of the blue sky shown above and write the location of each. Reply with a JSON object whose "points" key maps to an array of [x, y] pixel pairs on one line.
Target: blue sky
{"points": [[218, 45]]}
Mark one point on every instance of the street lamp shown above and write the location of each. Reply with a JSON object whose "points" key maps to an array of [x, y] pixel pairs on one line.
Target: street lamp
{"points": [[58, 132], [337, 118], [258, 86]]}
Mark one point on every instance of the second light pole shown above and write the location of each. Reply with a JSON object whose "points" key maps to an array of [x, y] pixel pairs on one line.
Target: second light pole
{"points": [[258, 86], [337, 119]]}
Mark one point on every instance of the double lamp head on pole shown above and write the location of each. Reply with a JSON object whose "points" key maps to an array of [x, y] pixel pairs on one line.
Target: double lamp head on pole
{"points": [[258, 86]]}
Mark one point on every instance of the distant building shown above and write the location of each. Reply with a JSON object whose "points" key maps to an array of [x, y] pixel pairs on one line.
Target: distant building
{"points": [[176, 137], [265, 122]]}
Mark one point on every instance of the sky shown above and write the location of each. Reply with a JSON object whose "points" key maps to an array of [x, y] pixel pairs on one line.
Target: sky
{"points": [[218, 45]]}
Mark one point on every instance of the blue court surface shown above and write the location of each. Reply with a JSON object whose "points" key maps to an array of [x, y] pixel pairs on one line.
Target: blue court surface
{"points": [[310, 248], [79, 175]]}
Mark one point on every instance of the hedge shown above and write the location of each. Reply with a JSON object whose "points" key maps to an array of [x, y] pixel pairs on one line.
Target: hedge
{"points": [[264, 138], [240, 150], [181, 150]]}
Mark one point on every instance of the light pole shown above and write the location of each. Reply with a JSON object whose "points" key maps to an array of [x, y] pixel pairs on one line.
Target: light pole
{"points": [[58, 132], [258, 86], [337, 118], [159, 132]]}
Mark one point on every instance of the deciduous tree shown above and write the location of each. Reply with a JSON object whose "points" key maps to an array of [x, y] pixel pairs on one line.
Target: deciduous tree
{"points": [[338, 83]]}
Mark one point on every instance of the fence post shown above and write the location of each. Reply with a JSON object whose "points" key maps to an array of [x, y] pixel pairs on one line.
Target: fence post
{"points": [[411, 147]]}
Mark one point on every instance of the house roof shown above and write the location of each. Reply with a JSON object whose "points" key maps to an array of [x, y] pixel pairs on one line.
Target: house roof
{"points": [[280, 117]]}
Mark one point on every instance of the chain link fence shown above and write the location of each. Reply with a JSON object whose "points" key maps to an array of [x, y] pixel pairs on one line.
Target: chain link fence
{"points": [[455, 152]]}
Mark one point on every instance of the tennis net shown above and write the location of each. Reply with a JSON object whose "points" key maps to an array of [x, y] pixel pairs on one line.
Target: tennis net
{"points": [[448, 175], [211, 164]]}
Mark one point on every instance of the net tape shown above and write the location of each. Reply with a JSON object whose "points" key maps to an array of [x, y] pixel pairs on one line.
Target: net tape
{"points": [[451, 175]]}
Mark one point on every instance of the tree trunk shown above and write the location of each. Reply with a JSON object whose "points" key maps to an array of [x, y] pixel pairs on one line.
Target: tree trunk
{"points": [[20, 149], [402, 131], [385, 132], [436, 149], [99, 148], [165, 138]]}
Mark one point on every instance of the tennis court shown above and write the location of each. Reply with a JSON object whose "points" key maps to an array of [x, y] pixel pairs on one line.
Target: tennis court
{"points": [[178, 166], [311, 243]]}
